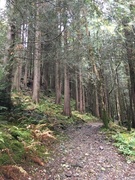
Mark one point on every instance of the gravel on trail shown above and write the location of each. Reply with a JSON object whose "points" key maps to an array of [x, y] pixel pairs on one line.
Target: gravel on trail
{"points": [[86, 155]]}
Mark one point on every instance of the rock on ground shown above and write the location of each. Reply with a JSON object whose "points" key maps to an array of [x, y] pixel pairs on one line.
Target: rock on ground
{"points": [[86, 155]]}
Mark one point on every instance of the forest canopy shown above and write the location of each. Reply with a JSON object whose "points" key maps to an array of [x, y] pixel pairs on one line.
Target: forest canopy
{"points": [[72, 49]]}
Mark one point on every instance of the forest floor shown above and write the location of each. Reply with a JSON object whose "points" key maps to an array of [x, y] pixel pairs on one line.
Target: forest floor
{"points": [[37, 142], [87, 154]]}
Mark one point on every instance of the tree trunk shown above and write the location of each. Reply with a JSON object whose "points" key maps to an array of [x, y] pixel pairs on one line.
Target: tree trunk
{"points": [[83, 99], [18, 67], [130, 36], [96, 103], [36, 82], [80, 92], [57, 83], [77, 93], [5, 99], [67, 109]]}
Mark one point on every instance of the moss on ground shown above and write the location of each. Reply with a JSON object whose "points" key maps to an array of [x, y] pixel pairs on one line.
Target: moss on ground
{"points": [[124, 140], [29, 130]]}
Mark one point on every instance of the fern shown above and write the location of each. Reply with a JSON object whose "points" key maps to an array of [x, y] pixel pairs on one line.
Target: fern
{"points": [[125, 143], [3, 108], [1, 138]]}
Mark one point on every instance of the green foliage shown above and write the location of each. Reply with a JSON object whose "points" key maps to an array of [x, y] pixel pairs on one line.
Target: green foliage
{"points": [[115, 128], [19, 133], [86, 117], [25, 127], [18, 143], [5, 102], [123, 139], [1, 138], [125, 143], [11, 146], [3, 86], [3, 28]]}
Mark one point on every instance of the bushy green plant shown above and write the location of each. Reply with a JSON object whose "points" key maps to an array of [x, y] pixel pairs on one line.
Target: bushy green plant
{"points": [[125, 143], [18, 127], [1, 138], [19, 133], [4, 96], [85, 117]]}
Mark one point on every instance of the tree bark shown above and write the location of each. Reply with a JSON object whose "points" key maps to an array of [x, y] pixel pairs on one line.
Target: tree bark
{"points": [[83, 99], [36, 82], [57, 83], [80, 92], [77, 93], [5, 100], [18, 67], [130, 36], [67, 109], [96, 103]]}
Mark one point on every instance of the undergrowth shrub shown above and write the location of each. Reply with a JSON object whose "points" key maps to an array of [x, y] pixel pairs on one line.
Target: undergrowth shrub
{"points": [[125, 143], [29, 130], [4, 103]]}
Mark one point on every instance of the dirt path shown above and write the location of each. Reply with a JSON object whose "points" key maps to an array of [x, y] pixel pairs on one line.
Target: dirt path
{"points": [[86, 155]]}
